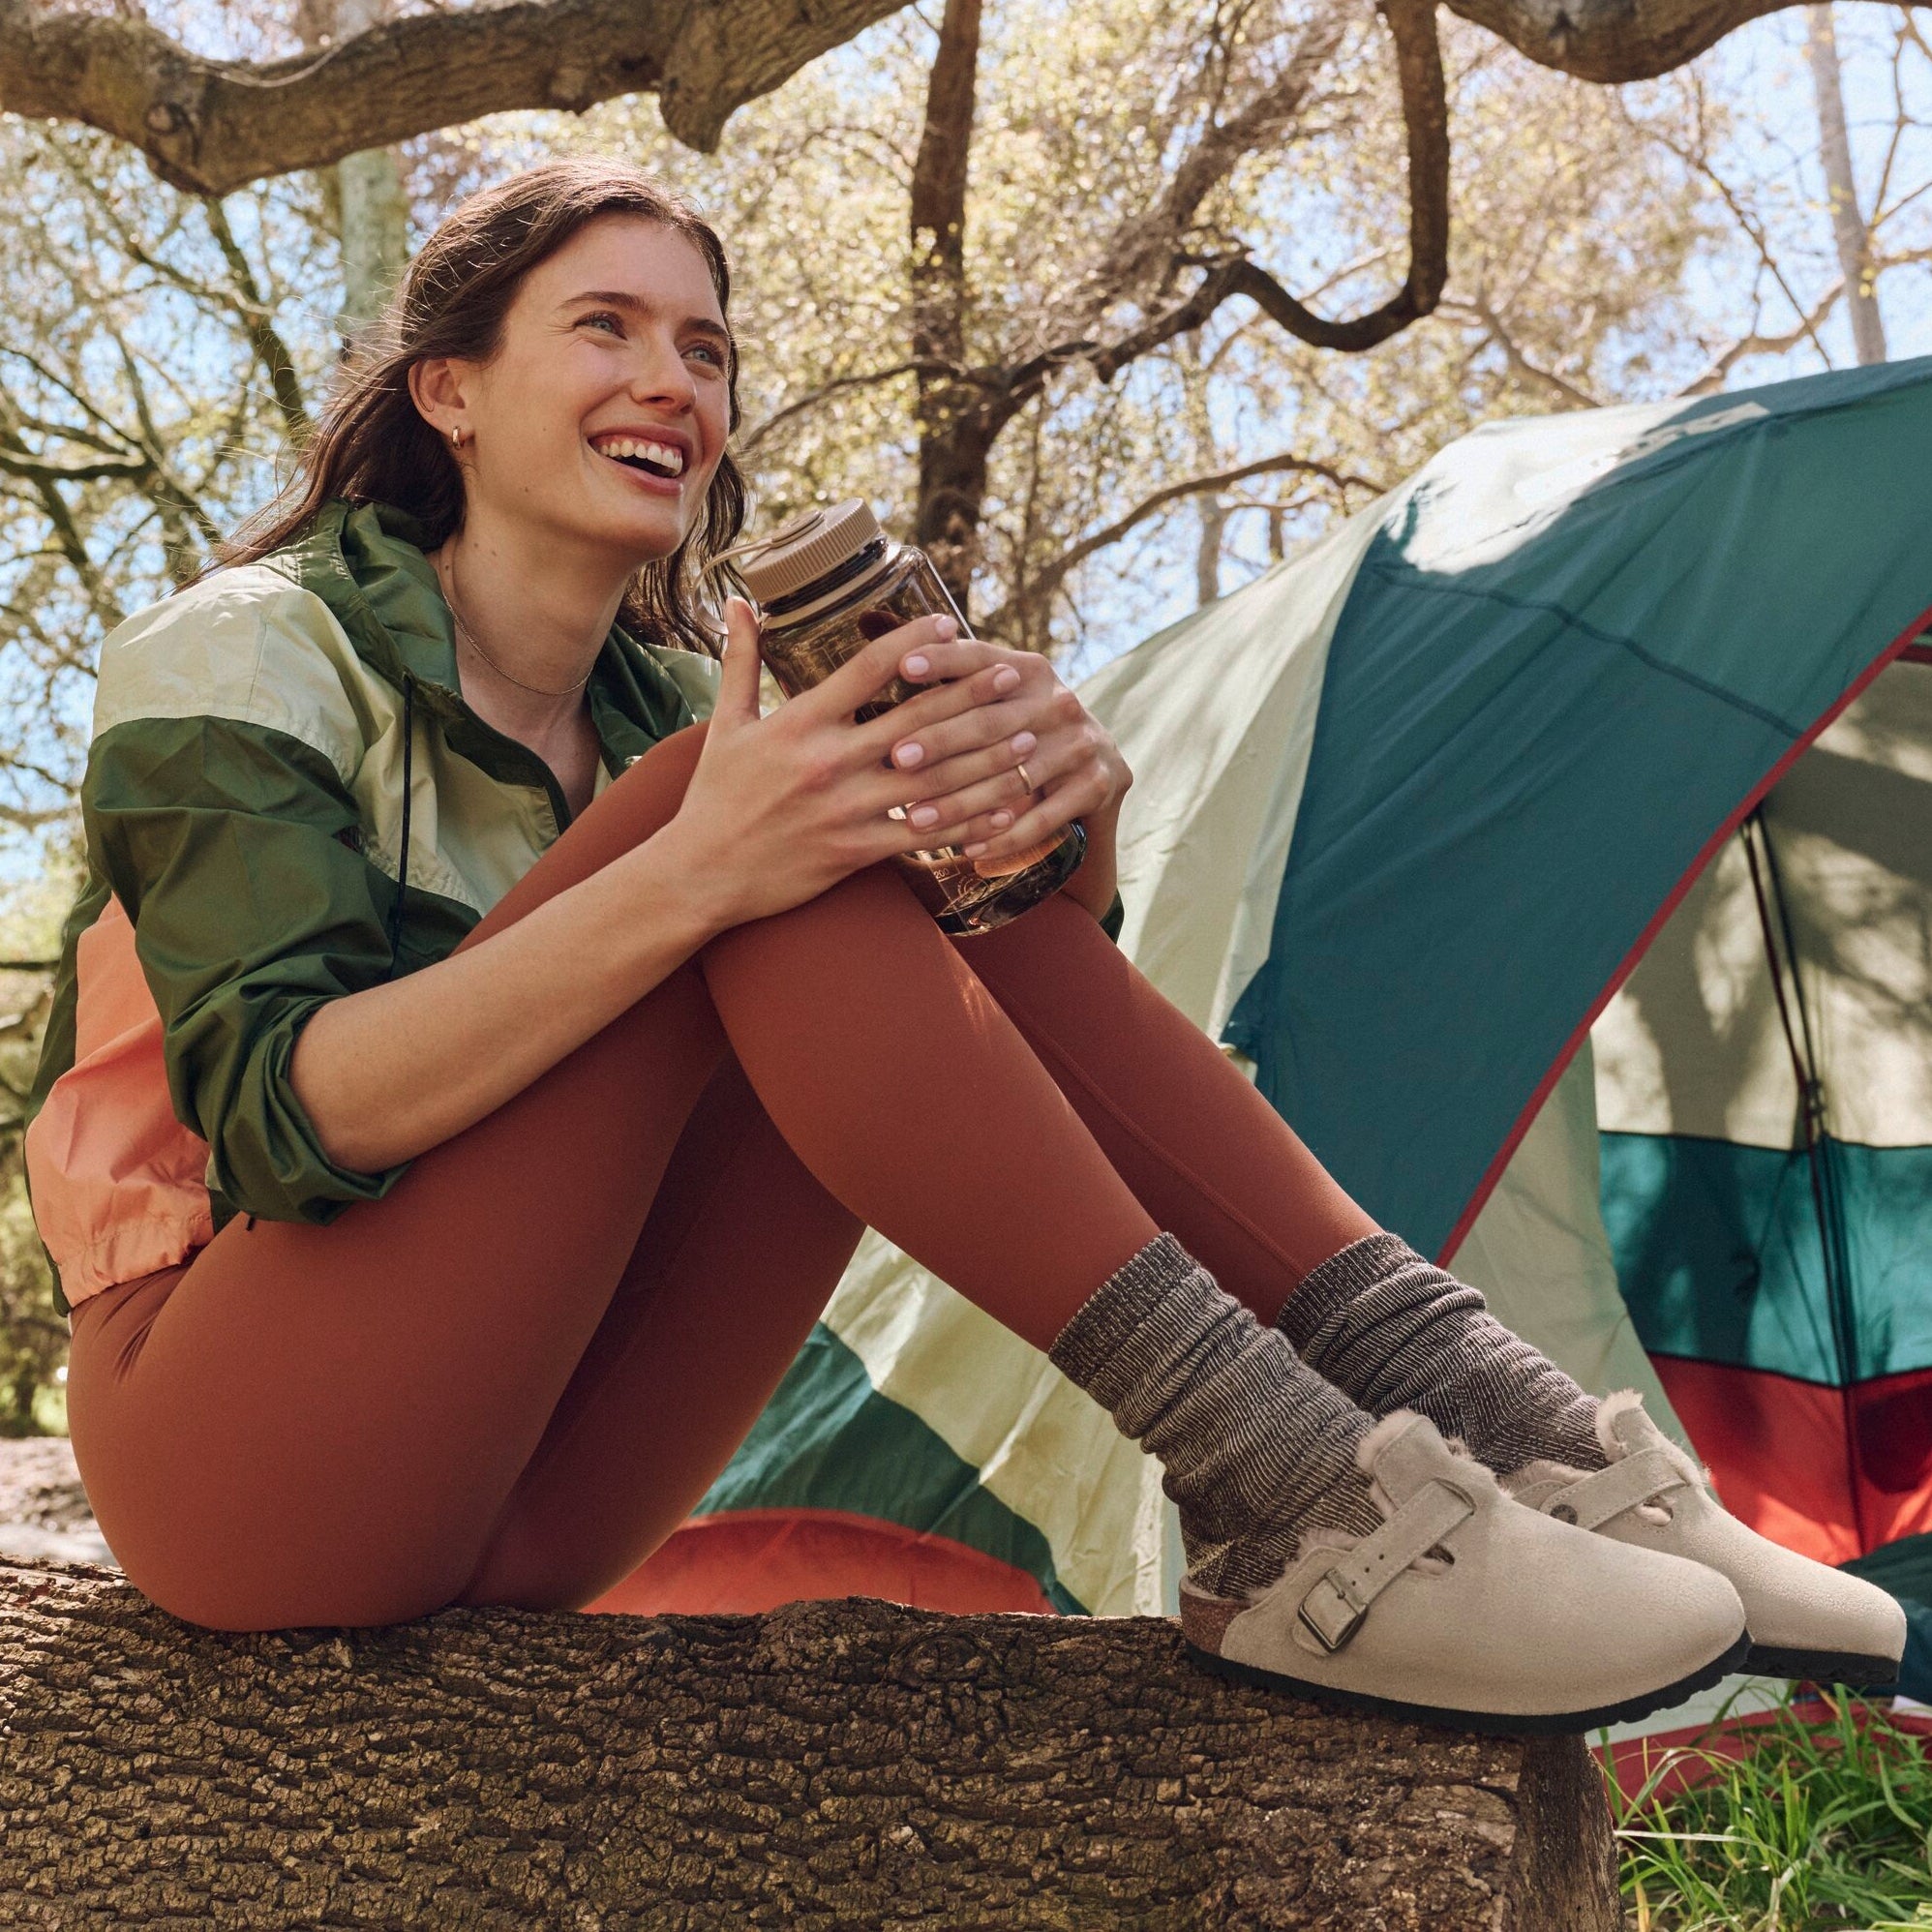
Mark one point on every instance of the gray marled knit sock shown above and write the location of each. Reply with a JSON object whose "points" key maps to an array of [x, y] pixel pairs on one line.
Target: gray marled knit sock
{"points": [[1393, 1331], [1256, 1446]]}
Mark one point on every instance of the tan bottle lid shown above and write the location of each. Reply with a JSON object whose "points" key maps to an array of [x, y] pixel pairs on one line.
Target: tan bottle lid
{"points": [[805, 549]]}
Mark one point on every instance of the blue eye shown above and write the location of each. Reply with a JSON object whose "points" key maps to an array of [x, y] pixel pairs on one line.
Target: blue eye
{"points": [[600, 316]]}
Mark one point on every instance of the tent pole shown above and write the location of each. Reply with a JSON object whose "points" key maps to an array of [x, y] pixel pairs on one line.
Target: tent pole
{"points": [[1768, 886]]}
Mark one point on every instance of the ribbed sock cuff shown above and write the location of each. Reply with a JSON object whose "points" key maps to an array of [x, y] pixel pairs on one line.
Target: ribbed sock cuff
{"points": [[1394, 1331], [1131, 1319], [1327, 1291]]}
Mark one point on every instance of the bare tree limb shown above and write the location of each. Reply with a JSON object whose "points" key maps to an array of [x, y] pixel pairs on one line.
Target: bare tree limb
{"points": [[166, 490], [257, 317], [121, 468], [956, 432], [1426, 116], [1699, 163], [839, 385], [1519, 362], [1721, 364], [1907, 28], [210, 125], [1613, 39], [1150, 242], [66, 531], [66, 432], [1044, 581]]}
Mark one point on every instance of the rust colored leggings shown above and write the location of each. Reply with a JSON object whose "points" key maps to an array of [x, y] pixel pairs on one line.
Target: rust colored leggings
{"points": [[511, 1378]]}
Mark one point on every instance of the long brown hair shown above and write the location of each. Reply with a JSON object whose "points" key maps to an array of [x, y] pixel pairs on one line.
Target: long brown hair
{"points": [[371, 445]]}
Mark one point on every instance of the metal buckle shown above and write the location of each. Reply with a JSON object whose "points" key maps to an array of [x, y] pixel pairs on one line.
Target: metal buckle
{"points": [[1340, 1627]]}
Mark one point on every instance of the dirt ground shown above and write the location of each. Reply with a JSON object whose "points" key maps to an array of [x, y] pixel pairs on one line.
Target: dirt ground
{"points": [[43, 1510]]}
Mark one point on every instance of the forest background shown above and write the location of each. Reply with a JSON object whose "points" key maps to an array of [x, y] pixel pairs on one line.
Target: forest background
{"points": [[974, 250]]}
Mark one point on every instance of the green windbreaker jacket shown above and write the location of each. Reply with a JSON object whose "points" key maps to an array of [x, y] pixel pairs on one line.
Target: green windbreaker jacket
{"points": [[244, 813]]}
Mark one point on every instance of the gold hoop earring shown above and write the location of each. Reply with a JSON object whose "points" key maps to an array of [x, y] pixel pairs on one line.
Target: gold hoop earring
{"points": [[456, 436]]}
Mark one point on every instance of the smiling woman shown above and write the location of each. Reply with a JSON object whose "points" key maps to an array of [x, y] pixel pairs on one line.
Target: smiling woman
{"points": [[483, 1036]]}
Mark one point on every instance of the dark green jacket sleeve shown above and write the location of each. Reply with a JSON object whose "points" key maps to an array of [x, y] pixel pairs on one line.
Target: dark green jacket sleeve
{"points": [[234, 850]]}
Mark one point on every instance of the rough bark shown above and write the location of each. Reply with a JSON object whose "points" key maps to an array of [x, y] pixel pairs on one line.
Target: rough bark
{"points": [[828, 1765], [209, 126], [1614, 40]]}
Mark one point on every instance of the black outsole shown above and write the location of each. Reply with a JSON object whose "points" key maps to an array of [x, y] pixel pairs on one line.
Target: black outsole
{"points": [[1497, 1724], [1823, 1666]]}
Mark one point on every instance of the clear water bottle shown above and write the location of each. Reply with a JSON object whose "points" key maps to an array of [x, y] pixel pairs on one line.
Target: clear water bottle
{"points": [[826, 586]]}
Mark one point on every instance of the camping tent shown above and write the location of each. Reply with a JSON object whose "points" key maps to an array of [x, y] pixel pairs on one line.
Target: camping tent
{"points": [[1553, 840]]}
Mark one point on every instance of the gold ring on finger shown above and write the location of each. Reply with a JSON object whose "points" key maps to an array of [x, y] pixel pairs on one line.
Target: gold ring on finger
{"points": [[1025, 779]]}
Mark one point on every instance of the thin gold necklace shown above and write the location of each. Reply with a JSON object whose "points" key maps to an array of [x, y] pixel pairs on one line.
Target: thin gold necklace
{"points": [[448, 562]]}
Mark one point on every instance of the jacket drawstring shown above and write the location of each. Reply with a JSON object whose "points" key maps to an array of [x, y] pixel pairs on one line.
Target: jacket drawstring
{"points": [[403, 862]]}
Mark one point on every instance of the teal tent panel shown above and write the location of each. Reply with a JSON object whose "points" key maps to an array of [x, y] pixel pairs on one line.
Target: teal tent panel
{"points": [[1718, 1254], [1571, 655], [828, 1439]]}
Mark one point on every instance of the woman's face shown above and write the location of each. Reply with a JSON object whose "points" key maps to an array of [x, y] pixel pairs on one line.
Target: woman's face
{"points": [[604, 413]]}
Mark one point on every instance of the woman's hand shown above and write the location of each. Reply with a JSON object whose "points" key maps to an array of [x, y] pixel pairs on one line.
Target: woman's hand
{"points": [[965, 762], [782, 807]]}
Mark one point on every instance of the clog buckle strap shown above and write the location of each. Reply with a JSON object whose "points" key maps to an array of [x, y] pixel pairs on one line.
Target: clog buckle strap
{"points": [[1640, 1477], [1338, 1602]]}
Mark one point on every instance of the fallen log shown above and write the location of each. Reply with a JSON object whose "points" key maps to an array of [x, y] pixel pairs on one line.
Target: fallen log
{"points": [[828, 1765]]}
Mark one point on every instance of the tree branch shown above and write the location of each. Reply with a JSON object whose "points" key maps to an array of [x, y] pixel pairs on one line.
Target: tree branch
{"points": [[259, 320], [53, 506], [121, 468], [210, 125], [915, 365], [1613, 39], [1150, 242], [1754, 231], [1426, 116], [1720, 364], [1046, 580], [1482, 311]]}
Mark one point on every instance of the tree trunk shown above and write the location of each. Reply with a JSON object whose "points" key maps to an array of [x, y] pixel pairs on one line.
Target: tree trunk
{"points": [[1213, 534], [364, 190], [375, 235], [828, 1765], [1834, 153], [955, 443]]}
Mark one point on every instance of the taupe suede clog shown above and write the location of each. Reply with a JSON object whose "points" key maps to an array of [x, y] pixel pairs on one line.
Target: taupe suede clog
{"points": [[1468, 1609], [1806, 1620]]}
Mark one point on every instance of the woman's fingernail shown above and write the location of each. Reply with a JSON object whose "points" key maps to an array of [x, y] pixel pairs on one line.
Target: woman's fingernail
{"points": [[1003, 820], [924, 815], [908, 755], [978, 846], [1005, 677], [1023, 743], [917, 665], [946, 627]]}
